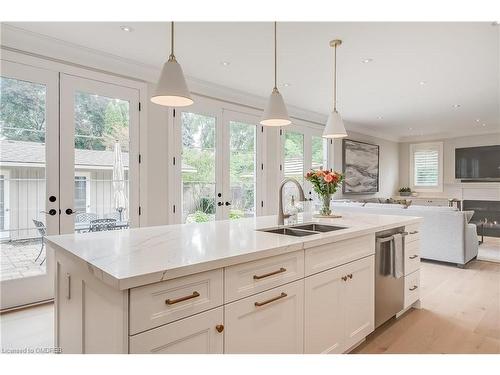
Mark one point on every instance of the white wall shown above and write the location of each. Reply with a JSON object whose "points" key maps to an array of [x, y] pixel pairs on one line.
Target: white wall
{"points": [[454, 188], [388, 169]]}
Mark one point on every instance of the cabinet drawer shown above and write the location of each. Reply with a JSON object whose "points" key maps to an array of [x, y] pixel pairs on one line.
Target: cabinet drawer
{"points": [[245, 279], [331, 255], [412, 257], [412, 288], [157, 304], [413, 232], [197, 334], [270, 322]]}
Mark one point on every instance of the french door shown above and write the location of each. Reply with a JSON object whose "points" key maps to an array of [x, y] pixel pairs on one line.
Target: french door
{"points": [[99, 151], [68, 163], [217, 161], [29, 172]]}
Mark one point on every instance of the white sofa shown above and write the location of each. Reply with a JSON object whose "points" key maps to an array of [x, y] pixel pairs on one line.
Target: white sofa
{"points": [[445, 234]]}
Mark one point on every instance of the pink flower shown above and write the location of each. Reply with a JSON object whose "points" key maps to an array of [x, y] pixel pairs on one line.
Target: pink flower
{"points": [[328, 178]]}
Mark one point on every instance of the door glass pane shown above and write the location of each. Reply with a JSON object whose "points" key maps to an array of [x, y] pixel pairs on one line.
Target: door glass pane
{"points": [[22, 165], [242, 169], [318, 160], [102, 146], [293, 162], [198, 167]]}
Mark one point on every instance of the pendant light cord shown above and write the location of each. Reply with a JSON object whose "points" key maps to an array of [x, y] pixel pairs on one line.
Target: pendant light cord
{"points": [[172, 56], [335, 78], [275, 58]]}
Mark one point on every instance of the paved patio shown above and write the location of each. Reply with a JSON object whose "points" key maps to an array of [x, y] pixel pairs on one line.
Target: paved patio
{"points": [[18, 259]]}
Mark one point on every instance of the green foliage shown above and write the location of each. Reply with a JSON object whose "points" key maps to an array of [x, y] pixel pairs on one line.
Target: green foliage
{"points": [[206, 205], [236, 214], [99, 120], [294, 145], [199, 217], [22, 110]]}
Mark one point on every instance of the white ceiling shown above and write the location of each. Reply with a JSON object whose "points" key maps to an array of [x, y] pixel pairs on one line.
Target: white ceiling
{"points": [[458, 61]]}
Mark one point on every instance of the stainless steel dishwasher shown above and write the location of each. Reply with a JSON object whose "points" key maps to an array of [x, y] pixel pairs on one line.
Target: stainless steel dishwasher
{"points": [[389, 274]]}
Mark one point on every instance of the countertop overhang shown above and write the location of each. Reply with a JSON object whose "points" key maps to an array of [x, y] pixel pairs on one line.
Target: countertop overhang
{"points": [[129, 258]]}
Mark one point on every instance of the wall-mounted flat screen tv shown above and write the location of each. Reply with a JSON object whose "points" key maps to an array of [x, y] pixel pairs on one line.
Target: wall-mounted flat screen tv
{"points": [[478, 163]]}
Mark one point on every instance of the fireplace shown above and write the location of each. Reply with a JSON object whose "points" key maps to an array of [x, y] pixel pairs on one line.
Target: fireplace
{"points": [[486, 216]]}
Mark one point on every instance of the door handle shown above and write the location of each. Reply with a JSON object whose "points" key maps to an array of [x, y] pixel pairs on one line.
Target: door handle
{"points": [[219, 204], [228, 203], [51, 212], [69, 211]]}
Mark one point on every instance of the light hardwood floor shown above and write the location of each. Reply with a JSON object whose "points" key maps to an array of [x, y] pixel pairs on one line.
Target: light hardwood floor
{"points": [[460, 314]]}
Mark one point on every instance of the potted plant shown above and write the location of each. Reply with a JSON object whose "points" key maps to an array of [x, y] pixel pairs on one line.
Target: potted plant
{"points": [[325, 183], [405, 191]]}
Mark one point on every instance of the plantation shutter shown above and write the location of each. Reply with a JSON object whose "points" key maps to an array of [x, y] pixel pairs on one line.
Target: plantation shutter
{"points": [[426, 167]]}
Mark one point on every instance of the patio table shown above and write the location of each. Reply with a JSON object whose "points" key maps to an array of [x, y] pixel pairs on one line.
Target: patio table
{"points": [[85, 226]]}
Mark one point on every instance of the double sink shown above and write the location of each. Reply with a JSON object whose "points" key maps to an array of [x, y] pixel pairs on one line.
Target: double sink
{"points": [[301, 230]]}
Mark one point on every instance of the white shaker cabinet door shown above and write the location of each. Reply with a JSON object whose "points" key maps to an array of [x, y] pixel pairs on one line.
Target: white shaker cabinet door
{"points": [[199, 334], [266, 323], [324, 312], [359, 300]]}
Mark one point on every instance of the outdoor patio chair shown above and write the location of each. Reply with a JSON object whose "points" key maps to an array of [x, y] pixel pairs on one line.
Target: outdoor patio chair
{"points": [[100, 225], [43, 231]]}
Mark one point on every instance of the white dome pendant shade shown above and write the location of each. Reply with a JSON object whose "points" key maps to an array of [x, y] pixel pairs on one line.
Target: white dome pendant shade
{"points": [[334, 127], [275, 113], [172, 90]]}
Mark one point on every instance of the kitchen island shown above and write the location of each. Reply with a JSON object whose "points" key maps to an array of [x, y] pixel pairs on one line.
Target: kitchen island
{"points": [[220, 287]]}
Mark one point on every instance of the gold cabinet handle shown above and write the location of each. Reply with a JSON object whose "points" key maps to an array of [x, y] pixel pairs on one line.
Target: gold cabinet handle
{"points": [[414, 287], [350, 276], [219, 327], [344, 278], [258, 277], [282, 295], [414, 232], [414, 256], [177, 300]]}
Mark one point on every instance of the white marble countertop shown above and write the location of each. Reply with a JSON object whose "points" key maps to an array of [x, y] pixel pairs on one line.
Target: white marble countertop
{"points": [[139, 256]]}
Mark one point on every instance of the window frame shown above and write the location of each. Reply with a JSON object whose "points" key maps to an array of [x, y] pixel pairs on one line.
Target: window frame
{"points": [[5, 234], [438, 146]]}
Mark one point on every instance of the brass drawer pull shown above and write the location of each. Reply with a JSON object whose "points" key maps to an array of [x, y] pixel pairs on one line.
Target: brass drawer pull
{"points": [[177, 300], [350, 276], [414, 287], [258, 277], [344, 278], [414, 256], [282, 295], [414, 232]]}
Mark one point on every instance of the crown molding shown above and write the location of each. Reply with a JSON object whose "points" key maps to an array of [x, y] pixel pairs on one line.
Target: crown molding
{"points": [[447, 135]]}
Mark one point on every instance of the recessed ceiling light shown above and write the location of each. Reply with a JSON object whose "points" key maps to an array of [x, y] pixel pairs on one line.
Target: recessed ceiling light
{"points": [[128, 29], [477, 120], [366, 61], [410, 128], [225, 63], [380, 117], [483, 124], [456, 105], [421, 83], [286, 84]]}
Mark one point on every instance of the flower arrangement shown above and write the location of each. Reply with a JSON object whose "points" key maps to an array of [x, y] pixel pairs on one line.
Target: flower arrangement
{"points": [[325, 183]]}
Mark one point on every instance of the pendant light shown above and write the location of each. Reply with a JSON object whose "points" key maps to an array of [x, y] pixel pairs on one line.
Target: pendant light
{"points": [[172, 90], [275, 113], [334, 126]]}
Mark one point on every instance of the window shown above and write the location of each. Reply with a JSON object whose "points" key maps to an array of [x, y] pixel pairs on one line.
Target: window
{"points": [[293, 162], [2, 204], [81, 196], [426, 167]]}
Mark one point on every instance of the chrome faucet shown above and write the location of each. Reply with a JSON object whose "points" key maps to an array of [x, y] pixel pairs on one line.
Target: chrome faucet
{"points": [[281, 215]]}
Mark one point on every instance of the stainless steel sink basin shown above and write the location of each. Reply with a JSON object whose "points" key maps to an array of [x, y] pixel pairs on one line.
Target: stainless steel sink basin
{"points": [[289, 232], [302, 230], [318, 227]]}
